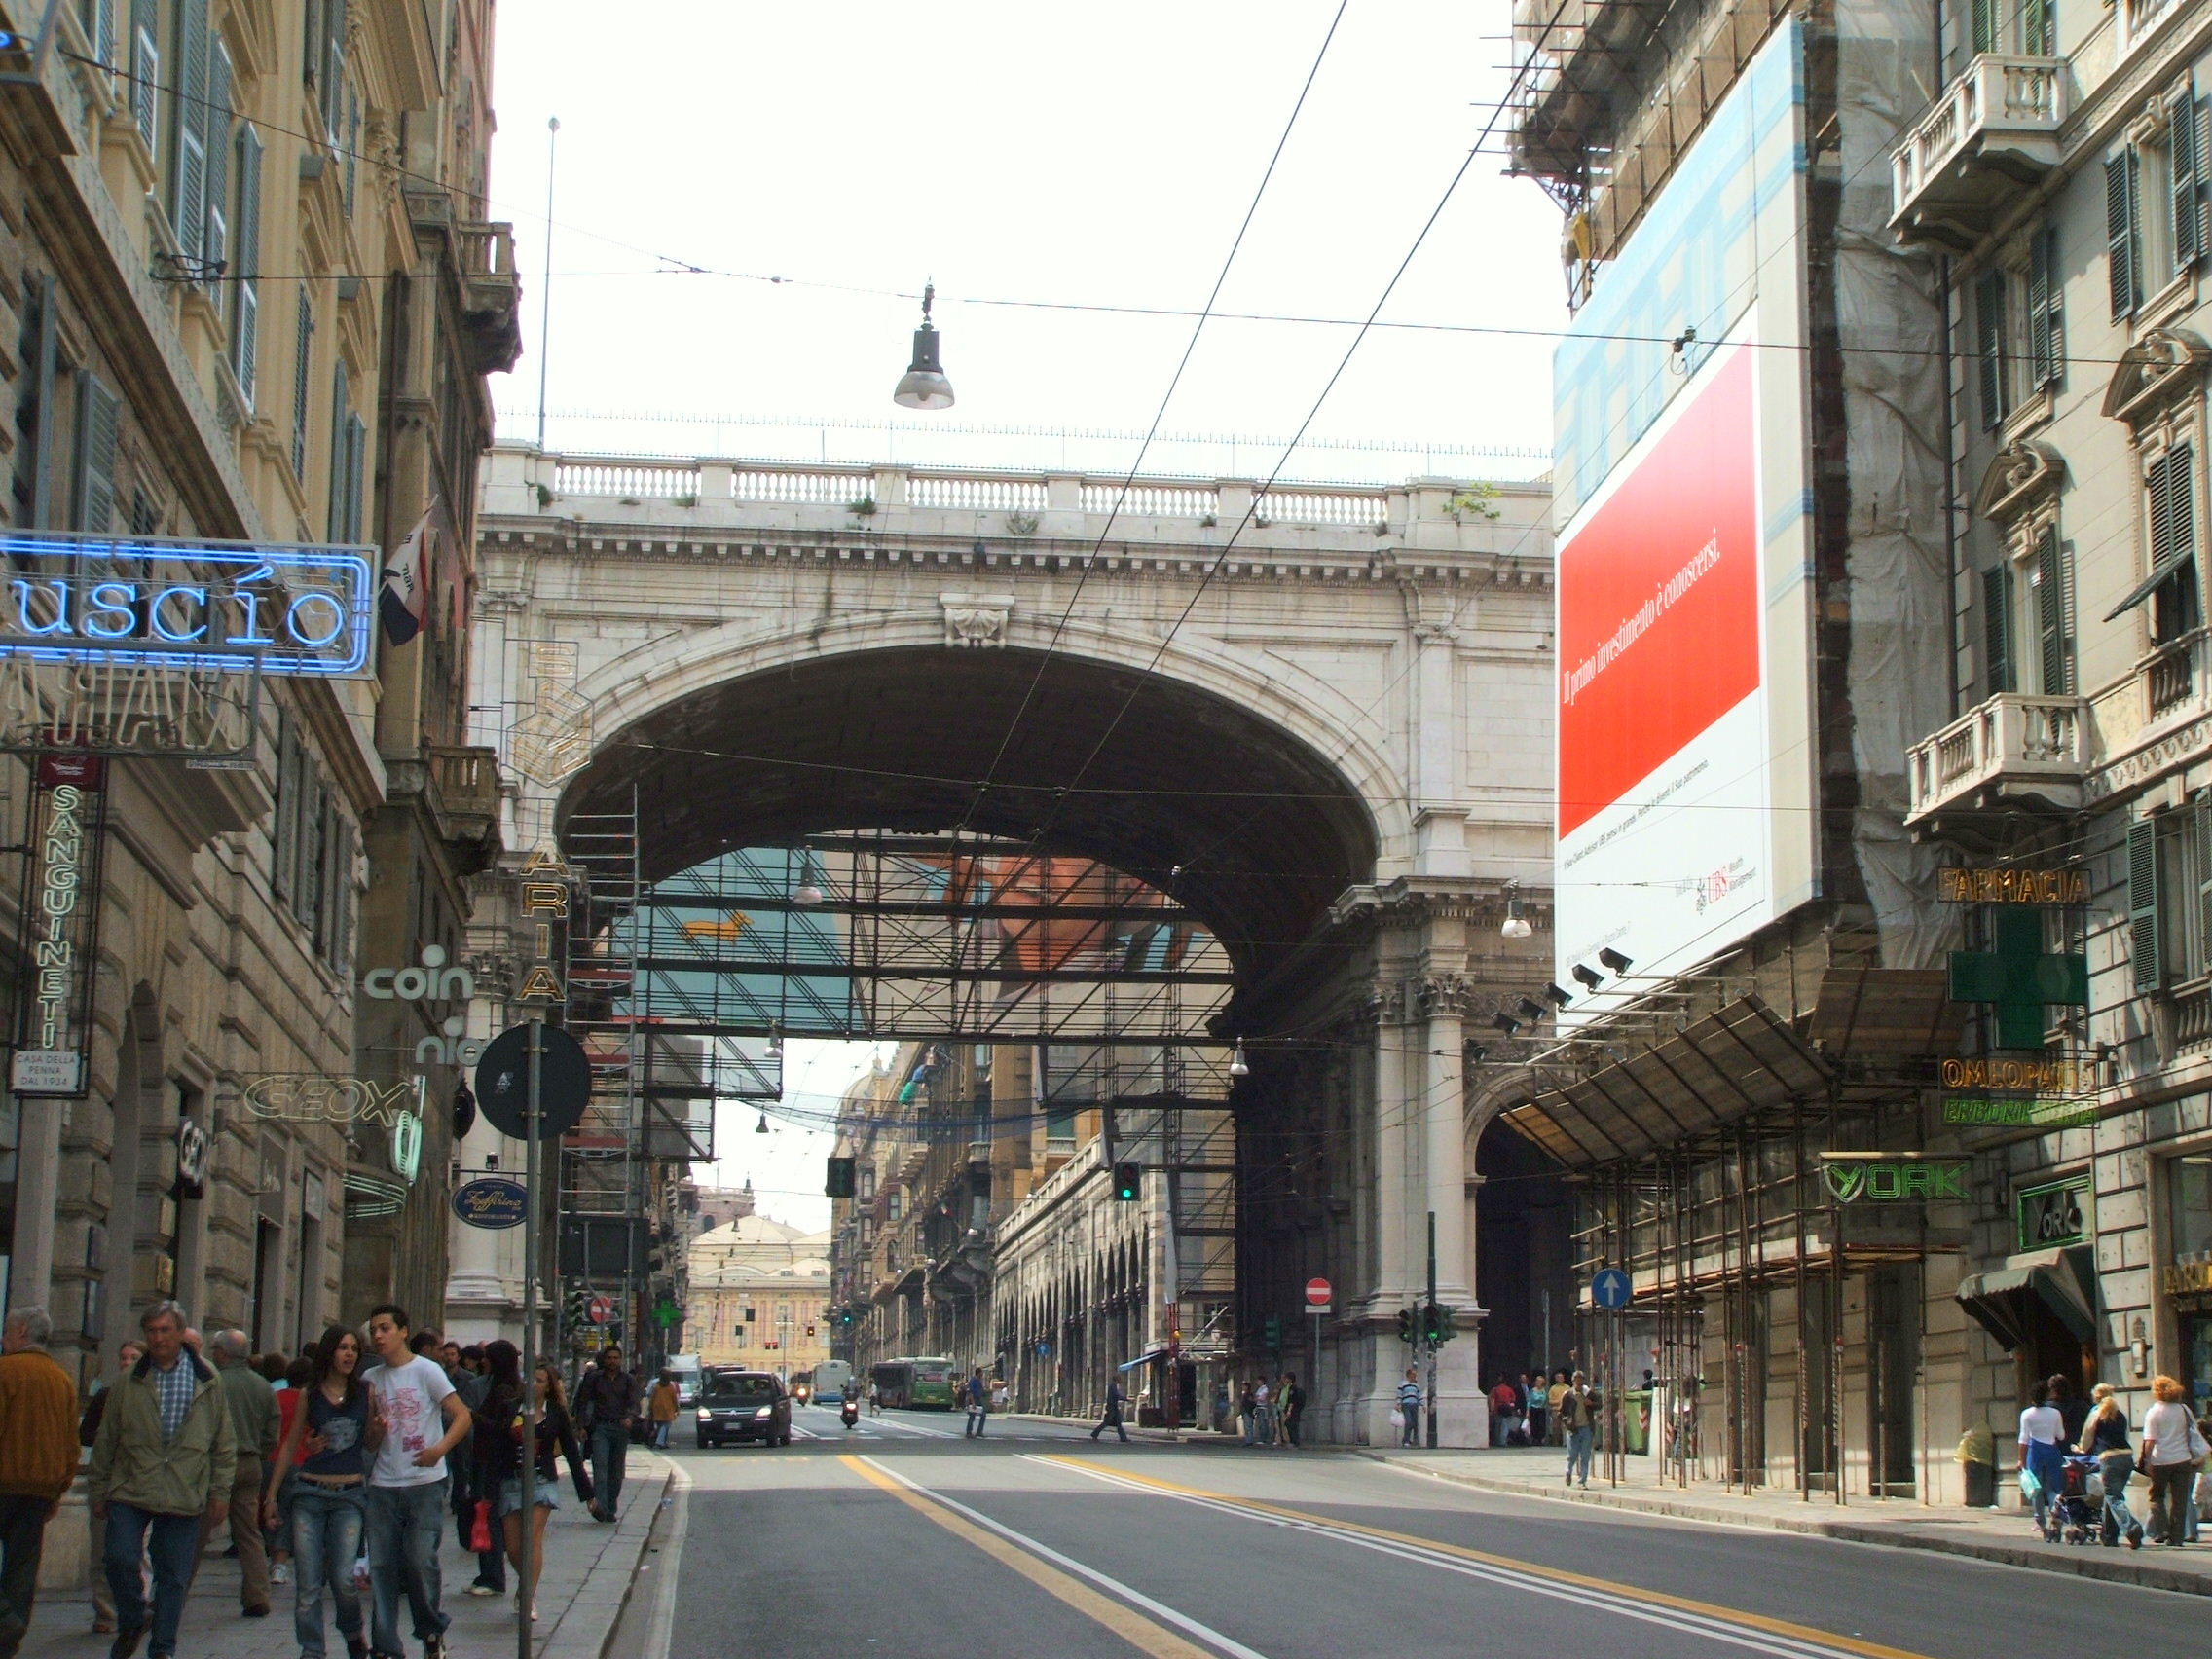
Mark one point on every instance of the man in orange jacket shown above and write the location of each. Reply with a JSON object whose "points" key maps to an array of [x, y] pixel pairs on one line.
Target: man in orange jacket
{"points": [[38, 1460]]}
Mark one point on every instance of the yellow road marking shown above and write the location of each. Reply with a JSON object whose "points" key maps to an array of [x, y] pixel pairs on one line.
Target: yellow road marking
{"points": [[1554, 1574], [1131, 1626]]}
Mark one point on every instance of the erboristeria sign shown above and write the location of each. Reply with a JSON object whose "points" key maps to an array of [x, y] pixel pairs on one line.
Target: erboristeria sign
{"points": [[283, 609]]}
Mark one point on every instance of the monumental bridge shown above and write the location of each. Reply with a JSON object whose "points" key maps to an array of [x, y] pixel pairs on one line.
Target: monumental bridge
{"points": [[1316, 720]]}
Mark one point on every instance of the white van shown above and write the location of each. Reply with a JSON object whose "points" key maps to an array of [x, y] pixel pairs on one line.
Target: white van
{"points": [[685, 1369]]}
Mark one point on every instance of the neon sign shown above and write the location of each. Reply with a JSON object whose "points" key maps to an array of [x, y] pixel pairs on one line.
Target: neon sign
{"points": [[283, 609], [61, 903]]}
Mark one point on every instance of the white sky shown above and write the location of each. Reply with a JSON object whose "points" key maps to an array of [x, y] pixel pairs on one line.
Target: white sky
{"points": [[1101, 155], [786, 1164]]}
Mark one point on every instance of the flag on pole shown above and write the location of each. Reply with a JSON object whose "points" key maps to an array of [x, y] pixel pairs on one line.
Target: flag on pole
{"points": [[405, 600]]}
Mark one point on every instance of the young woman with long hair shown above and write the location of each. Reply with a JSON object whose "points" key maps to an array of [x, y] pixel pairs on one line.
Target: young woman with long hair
{"points": [[337, 1426], [502, 1426]]}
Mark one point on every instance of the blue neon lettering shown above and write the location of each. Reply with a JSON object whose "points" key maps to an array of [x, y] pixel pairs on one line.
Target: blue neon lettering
{"points": [[252, 604], [110, 600], [24, 622], [199, 597], [314, 641]]}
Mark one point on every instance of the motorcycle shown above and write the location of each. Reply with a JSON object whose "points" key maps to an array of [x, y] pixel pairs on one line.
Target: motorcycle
{"points": [[849, 1414]]}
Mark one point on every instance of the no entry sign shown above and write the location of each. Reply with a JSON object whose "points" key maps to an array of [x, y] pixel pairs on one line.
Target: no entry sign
{"points": [[1317, 1293]]}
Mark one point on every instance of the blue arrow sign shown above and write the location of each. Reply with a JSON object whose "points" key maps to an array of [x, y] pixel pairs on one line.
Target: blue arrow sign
{"points": [[1610, 1288]]}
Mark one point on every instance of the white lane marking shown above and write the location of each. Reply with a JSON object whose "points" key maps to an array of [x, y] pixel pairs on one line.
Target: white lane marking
{"points": [[1067, 1563], [1690, 1623], [662, 1626]]}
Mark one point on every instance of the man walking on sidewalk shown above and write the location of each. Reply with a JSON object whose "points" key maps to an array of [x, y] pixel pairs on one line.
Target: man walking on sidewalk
{"points": [[977, 1398], [164, 1459], [1113, 1418], [256, 1420], [1409, 1409], [406, 1485], [1578, 1423], [38, 1459], [605, 1403]]}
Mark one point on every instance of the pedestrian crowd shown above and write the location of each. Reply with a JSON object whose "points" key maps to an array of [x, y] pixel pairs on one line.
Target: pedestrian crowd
{"points": [[332, 1474], [2062, 1433]]}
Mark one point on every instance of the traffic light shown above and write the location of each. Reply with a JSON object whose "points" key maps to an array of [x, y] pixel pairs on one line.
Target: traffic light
{"points": [[840, 1184], [1129, 1182], [810, 1330], [1409, 1322], [1438, 1326], [1271, 1333]]}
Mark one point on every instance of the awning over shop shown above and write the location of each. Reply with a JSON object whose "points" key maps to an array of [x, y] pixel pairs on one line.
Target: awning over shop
{"points": [[1741, 1059], [2005, 1301], [1885, 1014], [1144, 1358]]}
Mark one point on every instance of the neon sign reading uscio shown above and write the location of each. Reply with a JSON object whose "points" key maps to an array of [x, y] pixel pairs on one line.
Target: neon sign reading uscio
{"points": [[285, 609]]}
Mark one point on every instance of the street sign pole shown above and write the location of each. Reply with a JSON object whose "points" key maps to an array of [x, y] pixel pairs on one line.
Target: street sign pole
{"points": [[526, 1472], [1431, 1341]]}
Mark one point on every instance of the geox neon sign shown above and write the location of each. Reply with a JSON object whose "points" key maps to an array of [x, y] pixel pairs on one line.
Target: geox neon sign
{"points": [[283, 609]]}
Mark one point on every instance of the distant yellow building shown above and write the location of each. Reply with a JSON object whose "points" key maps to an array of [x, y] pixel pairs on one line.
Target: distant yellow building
{"points": [[759, 1297]]}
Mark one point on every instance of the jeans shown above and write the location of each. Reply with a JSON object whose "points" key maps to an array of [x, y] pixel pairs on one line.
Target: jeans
{"points": [[976, 1415], [171, 1542], [23, 1535], [609, 1452], [2174, 1495], [1578, 1453], [327, 1541], [1410, 1435], [2117, 1522], [404, 1525], [661, 1435]]}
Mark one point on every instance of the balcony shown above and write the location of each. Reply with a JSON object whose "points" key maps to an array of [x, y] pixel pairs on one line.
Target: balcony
{"points": [[2012, 751], [490, 295], [1988, 135]]}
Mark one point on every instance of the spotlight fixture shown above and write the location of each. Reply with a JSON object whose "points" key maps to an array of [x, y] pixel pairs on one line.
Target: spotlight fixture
{"points": [[761, 1128], [923, 386], [1614, 960], [1505, 1022], [807, 895], [1560, 998], [1588, 975], [1515, 925], [1532, 1011], [1236, 1065], [1477, 1054]]}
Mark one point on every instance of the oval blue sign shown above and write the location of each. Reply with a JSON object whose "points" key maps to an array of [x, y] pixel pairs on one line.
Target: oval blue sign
{"points": [[492, 1203]]}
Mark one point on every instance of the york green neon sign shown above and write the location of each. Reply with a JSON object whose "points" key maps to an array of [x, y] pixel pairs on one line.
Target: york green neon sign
{"points": [[1880, 1180]]}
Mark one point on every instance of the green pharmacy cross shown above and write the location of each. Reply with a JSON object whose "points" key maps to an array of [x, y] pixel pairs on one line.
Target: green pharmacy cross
{"points": [[2018, 977]]}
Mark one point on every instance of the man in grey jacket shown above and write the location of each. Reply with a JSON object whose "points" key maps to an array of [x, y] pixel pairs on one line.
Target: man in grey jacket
{"points": [[166, 1456], [256, 1420]]}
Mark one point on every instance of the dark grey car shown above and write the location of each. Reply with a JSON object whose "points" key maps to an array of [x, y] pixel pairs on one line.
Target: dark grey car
{"points": [[742, 1405]]}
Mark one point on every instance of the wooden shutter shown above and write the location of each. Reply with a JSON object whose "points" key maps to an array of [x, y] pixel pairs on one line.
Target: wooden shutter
{"points": [[356, 472], [215, 234], [45, 352], [310, 40], [340, 414], [333, 67], [146, 74], [1989, 317], [2180, 463], [2121, 240], [1997, 626], [1985, 15], [2050, 612], [100, 23], [305, 331], [188, 170], [245, 263], [2181, 147], [2039, 38], [2047, 330], [2143, 903], [341, 900], [281, 841], [100, 431]]}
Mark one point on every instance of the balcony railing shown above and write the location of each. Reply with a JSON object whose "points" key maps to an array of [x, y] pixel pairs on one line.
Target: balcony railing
{"points": [[1988, 134], [2029, 751], [2169, 678]]}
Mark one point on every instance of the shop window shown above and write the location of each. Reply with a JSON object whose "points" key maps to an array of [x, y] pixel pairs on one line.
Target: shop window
{"points": [[2189, 1195]]}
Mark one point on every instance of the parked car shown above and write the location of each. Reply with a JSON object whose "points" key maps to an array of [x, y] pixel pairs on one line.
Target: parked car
{"points": [[742, 1405]]}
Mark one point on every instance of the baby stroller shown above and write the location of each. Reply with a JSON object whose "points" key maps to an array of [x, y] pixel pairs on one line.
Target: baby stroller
{"points": [[2077, 1506]]}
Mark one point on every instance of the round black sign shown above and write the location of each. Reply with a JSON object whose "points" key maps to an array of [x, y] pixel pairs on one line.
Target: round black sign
{"points": [[564, 1082]]}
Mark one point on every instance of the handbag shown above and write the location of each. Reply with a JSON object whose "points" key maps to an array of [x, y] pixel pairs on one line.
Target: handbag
{"points": [[480, 1527]]}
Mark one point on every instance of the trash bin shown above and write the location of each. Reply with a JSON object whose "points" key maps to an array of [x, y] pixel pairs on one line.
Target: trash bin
{"points": [[1981, 1485], [1636, 1422]]}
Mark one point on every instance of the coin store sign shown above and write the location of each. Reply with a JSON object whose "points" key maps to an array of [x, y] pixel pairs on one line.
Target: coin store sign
{"points": [[283, 609]]}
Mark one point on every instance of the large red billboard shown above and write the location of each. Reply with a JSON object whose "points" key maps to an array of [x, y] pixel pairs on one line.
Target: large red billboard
{"points": [[1659, 596]]}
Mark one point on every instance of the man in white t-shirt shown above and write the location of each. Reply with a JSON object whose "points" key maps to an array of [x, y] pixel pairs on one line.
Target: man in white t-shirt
{"points": [[421, 1419]]}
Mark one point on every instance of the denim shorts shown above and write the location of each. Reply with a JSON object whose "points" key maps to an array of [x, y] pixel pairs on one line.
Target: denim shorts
{"points": [[546, 1496]]}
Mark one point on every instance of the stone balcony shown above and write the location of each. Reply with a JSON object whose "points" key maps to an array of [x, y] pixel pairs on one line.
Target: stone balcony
{"points": [[2014, 751], [1990, 133]]}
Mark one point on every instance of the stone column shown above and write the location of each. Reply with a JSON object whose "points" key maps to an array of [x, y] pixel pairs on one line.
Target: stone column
{"points": [[38, 1194]]}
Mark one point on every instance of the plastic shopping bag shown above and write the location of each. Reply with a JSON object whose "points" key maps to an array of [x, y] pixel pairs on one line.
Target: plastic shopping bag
{"points": [[1397, 1419], [480, 1527], [2029, 1484]]}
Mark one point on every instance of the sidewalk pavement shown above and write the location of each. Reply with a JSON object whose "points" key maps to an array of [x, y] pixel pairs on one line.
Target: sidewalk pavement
{"points": [[2005, 1536], [590, 1568]]}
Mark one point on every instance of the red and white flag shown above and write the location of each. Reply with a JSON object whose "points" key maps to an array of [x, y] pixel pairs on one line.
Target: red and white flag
{"points": [[405, 600]]}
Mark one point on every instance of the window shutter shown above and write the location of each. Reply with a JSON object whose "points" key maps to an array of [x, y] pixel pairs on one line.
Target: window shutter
{"points": [[1989, 314], [99, 422], [188, 173], [304, 340], [2181, 502], [340, 414], [2120, 233], [1997, 626], [353, 146], [1985, 25], [245, 264], [2047, 332], [2182, 145], [282, 843], [44, 353], [2038, 36], [356, 468], [333, 67], [216, 239], [341, 900], [310, 40], [2143, 903], [101, 23], [146, 73], [2050, 612]]}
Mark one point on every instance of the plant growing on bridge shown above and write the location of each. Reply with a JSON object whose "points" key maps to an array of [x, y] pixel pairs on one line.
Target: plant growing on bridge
{"points": [[1478, 499], [864, 507]]}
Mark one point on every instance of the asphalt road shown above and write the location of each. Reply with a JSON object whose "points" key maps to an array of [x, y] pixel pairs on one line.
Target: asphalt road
{"points": [[902, 1537]]}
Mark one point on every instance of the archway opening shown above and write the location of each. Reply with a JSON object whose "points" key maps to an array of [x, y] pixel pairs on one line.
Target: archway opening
{"points": [[1523, 1255]]}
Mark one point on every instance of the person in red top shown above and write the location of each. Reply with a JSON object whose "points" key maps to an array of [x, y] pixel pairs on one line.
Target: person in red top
{"points": [[297, 1376], [1505, 1410]]}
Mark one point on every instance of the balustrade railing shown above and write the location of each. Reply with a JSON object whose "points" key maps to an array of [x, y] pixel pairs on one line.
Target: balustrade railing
{"points": [[2169, 680]]}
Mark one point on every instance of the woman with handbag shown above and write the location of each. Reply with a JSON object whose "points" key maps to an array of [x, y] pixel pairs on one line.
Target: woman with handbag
{"points": [[338, 1427], [557, 1433], [2172, 1449]]}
